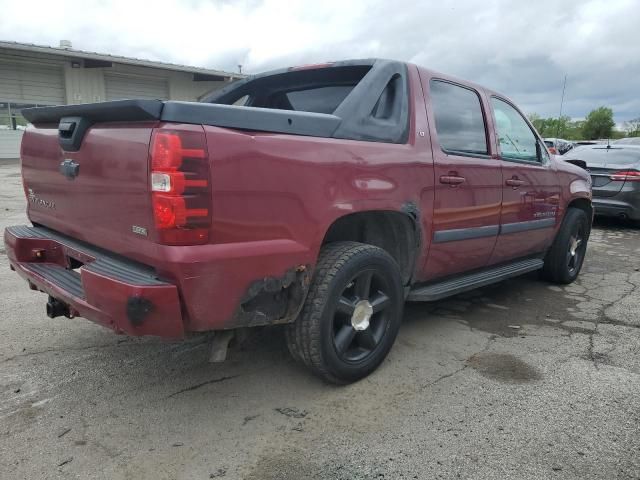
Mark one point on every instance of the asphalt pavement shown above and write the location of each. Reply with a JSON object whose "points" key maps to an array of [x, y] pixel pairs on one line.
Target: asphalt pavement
{"points": [[520, 380]]}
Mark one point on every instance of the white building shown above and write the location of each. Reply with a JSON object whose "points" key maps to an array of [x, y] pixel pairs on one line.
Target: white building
{"points": [[34, 75]]}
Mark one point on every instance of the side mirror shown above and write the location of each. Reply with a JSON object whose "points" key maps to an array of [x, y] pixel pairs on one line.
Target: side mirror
{"points": [[579, 163]]}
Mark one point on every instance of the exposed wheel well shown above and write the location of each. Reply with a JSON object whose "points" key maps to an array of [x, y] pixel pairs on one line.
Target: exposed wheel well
{"points": [[394, 232], [582, 204]]}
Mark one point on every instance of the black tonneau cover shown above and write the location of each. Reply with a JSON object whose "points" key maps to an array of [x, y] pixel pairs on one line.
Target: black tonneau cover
{"points": [[119, 110], [244, 118], [252, 118], [377, 109]]}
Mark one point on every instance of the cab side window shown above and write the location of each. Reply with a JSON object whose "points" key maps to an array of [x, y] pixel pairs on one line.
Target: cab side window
{"points": [[459, 120], [516, 140]]}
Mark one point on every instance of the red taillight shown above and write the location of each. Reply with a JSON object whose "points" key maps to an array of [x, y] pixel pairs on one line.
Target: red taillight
{"points": [[169, 212], [626, 176], [311, 66], [180, 187], [167, 151]]}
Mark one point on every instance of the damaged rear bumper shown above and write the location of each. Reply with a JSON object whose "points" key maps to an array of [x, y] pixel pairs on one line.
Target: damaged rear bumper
{"points": [[109, 290], [189, 289]]}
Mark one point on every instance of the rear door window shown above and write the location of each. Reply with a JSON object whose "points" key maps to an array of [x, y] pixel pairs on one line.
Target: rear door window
{"points": [[459, 120]]}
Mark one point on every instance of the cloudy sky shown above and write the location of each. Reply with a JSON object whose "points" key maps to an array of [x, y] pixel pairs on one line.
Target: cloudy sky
{"points": [[522, 48]]}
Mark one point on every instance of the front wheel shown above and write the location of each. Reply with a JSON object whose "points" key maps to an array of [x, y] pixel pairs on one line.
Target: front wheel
{"points": [[352, 313], [564, 260]]}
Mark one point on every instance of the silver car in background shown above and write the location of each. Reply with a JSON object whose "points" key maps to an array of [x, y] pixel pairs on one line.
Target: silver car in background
{"points": [[627, 141], [615, 171]]}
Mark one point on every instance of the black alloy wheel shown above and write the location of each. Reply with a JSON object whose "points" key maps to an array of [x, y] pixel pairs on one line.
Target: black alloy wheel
{"points": [[564, 259], [352, 312], [577, 248], [362, 316]]}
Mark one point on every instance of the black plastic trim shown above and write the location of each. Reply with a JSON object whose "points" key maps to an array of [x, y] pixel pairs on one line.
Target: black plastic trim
{"points": [[355, 112], [120, 110], [466, 154], [579, 163], [106, 263], [469, 281], [524, 162], [240, 87], [251, 118], [138, 309], [507, 228], [23, 231], [354, 118], [358, 123], [443, 236], [68, 280], [71, 131]]}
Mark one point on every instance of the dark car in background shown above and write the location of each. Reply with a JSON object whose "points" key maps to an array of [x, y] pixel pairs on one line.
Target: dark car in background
{"points": [[615, 171]]}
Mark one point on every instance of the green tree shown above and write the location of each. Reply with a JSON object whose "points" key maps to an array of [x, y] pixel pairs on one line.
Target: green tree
{"points": [[598, 124], [561, 127], [633, 127], [535, 119], [575, 130]]}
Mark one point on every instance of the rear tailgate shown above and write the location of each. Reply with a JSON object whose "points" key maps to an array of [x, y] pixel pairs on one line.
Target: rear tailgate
{"points": [[87, 171], [98, 194]]}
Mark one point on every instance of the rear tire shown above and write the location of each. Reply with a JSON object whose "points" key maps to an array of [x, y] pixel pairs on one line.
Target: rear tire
{"points": [[566, 256], [352, 313]]}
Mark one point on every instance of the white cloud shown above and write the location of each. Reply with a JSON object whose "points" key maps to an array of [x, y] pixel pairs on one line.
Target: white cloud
{"points": [[518, 47]]}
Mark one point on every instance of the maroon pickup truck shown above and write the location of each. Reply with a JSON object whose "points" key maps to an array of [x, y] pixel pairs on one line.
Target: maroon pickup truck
{"points": [[322, 197]]}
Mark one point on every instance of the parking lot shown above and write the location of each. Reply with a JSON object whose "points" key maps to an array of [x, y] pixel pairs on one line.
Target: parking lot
{"points": [[518, 380]]}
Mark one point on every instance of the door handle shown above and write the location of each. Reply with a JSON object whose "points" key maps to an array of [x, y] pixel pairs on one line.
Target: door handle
{"points": [[452, 180], [514, 182]]}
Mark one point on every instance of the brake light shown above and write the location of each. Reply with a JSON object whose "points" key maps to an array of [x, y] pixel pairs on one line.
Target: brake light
{"points": [[180, 186], [311, 66], [626, 176]]}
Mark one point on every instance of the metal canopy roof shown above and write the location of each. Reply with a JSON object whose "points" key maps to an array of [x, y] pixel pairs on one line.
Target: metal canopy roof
{"points": [[103, 57]]}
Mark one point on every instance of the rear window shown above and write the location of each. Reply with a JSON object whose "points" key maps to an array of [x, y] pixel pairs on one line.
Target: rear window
{"points": [[319, 100], [548, 143], [317, 90], [601, 155]]}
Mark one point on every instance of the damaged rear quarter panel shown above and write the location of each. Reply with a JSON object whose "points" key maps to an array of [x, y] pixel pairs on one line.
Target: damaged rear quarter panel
{"points": [[272, 187], [274, 300]]}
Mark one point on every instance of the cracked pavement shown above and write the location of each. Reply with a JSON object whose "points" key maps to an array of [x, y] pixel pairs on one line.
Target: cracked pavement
{"points": [[515, 381]]}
